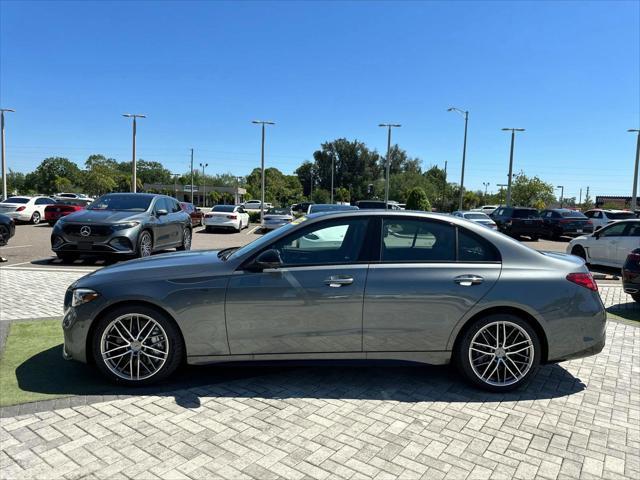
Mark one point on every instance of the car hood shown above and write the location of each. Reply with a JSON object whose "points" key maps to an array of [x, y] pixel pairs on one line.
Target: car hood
{"points": [[168, 266], [104, 216]]}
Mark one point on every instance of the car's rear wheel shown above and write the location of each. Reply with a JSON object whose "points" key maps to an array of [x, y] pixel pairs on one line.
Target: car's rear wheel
{"points": [[578, 251], [35, 218], [186, 239], [137, 345], [208, 229], [145, 244], [498, 353], [4, 235]]}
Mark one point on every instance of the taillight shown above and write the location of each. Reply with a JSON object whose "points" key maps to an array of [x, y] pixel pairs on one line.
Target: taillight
{"points": [[584, 280], [232, 217], [19, 209]]}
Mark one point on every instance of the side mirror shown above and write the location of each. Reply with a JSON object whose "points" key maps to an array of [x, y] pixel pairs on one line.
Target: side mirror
{"points": [[161, 212], [267, 259]]}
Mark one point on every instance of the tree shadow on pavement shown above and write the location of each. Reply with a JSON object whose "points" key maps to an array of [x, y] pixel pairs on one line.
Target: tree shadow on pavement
{"points": [[48, 373]]}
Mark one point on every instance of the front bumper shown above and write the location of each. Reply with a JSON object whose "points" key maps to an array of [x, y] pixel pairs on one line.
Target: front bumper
{"points": [[120, 242]]}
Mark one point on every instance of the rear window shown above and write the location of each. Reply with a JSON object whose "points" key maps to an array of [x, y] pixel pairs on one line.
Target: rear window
{"points": [[620, 215], [572, 214], [525, 213], [476, 216], [278, 211], [223, 208], [474, 248], [16, 200]]}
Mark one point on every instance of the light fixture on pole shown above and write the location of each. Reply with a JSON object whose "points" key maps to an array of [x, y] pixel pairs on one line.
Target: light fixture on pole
{"points": [[634, 193], [4, 162], [389, 126], [561, 187], [501, 185], [262, 123], [486, 184], [134, 178], [513, 138], [465, 114], [204, 185]]}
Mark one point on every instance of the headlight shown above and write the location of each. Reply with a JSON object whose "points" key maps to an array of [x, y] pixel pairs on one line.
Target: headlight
{"points": [[124, 226], [83, 295]]}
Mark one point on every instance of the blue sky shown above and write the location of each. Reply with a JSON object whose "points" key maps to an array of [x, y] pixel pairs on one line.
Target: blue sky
{"points": [[568, 72]]}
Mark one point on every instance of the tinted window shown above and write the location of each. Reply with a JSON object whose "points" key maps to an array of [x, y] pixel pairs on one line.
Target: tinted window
{"points": [[476, 216], [175, 205], [615, 230], [474, 248], [133, 202], [572, 214], [44, 201], [525, 213], [597, 214], [634, 230], [417, 241], [187, 207], [278, 211], [620, 215], [162, 204], [16, 200], [223, 208], [328, 243]]}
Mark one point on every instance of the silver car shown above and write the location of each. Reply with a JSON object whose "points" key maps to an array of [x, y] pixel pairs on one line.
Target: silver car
{"points": [[478, 217], [367, 284], [276, 218]]}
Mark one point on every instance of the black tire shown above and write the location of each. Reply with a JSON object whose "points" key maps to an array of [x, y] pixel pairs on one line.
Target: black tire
{"points": [[176, 350], [186, 234], [67, 257], [535, 238], [142, 247], [239, 229], [578, 251], [462, 353], [208, 229], [636, 296], [4, 235], [35, 218]]}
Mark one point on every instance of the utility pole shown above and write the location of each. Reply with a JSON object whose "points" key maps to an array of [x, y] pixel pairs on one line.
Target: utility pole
{"points": [[4, 163], [134, 178], [389, 126], [333, 168], [587, 195], [501, 185], [192, 199], [238, 180], [513, 138], [561, 187], [175, 183], [634, 193], [310, 184], [204, 185], [444, 186], [465, 114], [263, 123], [580, 200]]}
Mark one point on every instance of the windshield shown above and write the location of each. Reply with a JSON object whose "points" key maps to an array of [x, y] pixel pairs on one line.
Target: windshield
{"points": [[525, 213], [572, 214], [73, 201], [223, 208], [16, 200], [620, 215], [266, 238], [327, 208], [278, 211], [476, 216], [129, 203]]}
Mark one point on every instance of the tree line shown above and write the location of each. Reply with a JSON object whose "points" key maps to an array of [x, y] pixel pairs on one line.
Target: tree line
{"points": [[358, 174]]}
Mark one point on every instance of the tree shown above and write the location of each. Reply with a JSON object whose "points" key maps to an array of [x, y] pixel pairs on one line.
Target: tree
{"points": [[471, 199], [417, 200], [529, 192], [342, 194], [43, 179], [321, 195], [305, 173], [400, 162], [587, 203], [279, 188], [15, 182]]}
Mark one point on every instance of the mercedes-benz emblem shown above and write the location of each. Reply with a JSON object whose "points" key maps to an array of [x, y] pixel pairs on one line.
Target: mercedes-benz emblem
{"points": [[85, 231]]}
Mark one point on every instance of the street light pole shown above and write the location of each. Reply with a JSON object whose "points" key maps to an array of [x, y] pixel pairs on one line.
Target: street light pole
{"points": [[465, 114], [204, 185], [561, 187], [444, 186], [634, 193], [486, 184], [263, 123], [333, 167], [501, 185], [389, 126], [192, 200], [513, 138], [4, 163], [134, 178]]}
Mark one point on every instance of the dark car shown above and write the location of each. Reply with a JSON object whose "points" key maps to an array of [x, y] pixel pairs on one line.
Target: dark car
{"points": [[563, 222], [7, 229], [197, 217], [518, 221], [63, 207], [631, 274], [301, 208], [123, 224]]}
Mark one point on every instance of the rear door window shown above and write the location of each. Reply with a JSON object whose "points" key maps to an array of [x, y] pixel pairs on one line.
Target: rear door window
{"points": [[473, 248], [417, 241]]}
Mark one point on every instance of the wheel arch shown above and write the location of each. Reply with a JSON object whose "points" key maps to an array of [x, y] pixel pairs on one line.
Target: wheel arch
{"points": [[522, 314], [110, 308]]}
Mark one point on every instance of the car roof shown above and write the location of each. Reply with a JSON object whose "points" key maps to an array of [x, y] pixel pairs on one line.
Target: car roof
{"points": [[150, 195]]}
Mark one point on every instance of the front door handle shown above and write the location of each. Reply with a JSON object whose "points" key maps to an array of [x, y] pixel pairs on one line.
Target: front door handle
{"points": [[336, 281], [468, 280]]}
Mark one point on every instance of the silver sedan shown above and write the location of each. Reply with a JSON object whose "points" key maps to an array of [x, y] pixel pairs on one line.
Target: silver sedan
{"points": [[350, 285]]}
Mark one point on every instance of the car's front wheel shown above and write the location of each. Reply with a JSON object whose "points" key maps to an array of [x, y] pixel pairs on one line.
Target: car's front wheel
{"points": [[186, 239], [145, 244], [137, 345], [498, 353]]}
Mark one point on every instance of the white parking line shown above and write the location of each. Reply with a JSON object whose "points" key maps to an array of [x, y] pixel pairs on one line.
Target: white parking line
{"points": [[46, 269], [252, 230], [15, 246]]}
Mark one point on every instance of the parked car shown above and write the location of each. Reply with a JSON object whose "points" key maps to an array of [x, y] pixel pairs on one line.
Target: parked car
{"points": [[197, 217], [370, 291], [478, 217], [329, 207], [276, 218], [7, 229], [300, 208], [563, 222], [600, 217], [518, 221], [631, 274], [255, 205], [608, 246], [377, 205], [71, 195], [123, 224], [226, 216], [63, 207], [25, 209], [488, 209]]}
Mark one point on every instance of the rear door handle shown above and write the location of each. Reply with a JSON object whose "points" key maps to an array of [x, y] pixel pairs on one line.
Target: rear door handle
{"points": [[336, 281], [468, 280]]}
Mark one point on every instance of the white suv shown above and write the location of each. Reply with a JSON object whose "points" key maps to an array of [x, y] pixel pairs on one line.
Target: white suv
{"points": [[600, 217]]}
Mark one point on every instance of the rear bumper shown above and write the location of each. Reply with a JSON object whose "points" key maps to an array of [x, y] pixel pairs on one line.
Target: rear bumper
{"points": [[209, 222], [19, 216]]}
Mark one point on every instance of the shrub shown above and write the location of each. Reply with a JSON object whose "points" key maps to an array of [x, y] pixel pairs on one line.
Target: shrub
{"points": [[417, 200]]}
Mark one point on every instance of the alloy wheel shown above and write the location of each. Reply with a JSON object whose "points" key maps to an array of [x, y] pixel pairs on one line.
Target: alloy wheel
{"points": [[186, 239], [501, 353], [146, 245], [35, 218], [134, 347]]}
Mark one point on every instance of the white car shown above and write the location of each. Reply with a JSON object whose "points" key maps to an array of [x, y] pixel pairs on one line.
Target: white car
{"points": [[226, 216], [70, 195], [276, 218], [610, 245], [255, 205], [478, 217], [600, 217], [25, 209], [487, 209]]}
